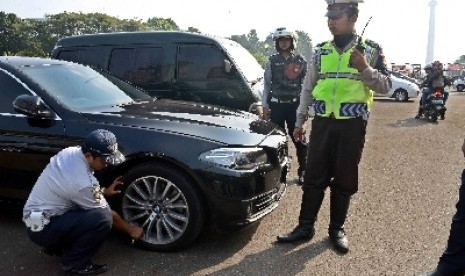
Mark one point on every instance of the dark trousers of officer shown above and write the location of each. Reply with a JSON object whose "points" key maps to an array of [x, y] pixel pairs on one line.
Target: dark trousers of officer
{"points": [[452, 261], [334, 153], [284, 114], [77, 235]]}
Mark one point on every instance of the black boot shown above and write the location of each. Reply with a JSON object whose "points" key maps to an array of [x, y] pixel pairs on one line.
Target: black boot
{"points": [[311, 203], [339, 205]]}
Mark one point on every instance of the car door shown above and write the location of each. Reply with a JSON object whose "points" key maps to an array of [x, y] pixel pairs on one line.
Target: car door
{"points": [[26, 144]]}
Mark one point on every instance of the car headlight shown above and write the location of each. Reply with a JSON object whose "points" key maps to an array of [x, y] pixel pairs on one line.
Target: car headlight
{"points": [[235, 158]]}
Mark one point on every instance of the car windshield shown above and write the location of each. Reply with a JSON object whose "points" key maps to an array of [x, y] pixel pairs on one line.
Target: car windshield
{"points": [[81, 88], [244, 60]]}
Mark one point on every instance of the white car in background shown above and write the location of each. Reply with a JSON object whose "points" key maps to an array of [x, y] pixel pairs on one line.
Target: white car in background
{"points": [[401, 90]]}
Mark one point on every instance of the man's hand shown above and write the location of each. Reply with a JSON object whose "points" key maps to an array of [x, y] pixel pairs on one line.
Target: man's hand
{"points": [[358, 61], [299, 132], [266, 113], [111, 190]]}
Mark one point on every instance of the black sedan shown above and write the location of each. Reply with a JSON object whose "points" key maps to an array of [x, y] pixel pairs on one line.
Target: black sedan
{"points": [[187, 164]]}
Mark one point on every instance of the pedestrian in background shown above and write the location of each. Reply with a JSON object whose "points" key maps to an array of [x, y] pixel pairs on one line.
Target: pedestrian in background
{"points": [[339, 84], [284, 75]]}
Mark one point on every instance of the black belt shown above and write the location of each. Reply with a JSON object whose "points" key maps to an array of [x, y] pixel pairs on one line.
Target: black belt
{"points": [[276, 100]]}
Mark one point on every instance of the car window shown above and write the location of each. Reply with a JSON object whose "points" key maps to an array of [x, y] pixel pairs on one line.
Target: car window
{"points": [[10, 88], [142, 66], [200, 63], [78, 87], [120, 63], [89, 56]]}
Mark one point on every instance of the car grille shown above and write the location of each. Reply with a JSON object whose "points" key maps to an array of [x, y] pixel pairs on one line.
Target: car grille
{"points": [[262, 201]]}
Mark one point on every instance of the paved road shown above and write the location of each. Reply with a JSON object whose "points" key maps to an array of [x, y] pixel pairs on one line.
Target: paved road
{"points": [[398, 222]]}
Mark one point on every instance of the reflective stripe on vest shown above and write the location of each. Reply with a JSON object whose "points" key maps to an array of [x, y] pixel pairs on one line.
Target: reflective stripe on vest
{"points": [[339, 86]]}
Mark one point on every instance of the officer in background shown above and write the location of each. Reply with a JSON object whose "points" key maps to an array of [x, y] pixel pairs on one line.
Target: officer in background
{"points": [[284, 74], [66, 212], [341, 80]]}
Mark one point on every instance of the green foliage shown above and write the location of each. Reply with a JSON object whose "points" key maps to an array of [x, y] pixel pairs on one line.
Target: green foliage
{"points": [[161, 24]]}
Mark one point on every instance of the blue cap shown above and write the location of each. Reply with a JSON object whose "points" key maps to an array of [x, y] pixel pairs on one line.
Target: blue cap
{"points": [[103, 143]]}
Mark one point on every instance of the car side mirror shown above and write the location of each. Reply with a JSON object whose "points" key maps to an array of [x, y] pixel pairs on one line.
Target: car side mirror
{"points": [[32, 106], [227, 66]]}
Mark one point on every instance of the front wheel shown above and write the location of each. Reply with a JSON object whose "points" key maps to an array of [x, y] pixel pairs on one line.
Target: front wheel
{"points": [[460, 87], [165, 202]]}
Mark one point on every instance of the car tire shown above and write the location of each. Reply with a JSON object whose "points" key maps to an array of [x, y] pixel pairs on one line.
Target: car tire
{"points": [[460, 87], [400, 95], [165, 202]]}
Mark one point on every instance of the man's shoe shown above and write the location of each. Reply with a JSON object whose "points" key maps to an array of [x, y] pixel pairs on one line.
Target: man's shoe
{"points": [[92, 269], [339, 239], [417, 116], [299, 233]]}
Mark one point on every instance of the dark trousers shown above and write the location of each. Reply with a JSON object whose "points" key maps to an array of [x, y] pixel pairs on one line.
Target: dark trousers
{"points": [[452, 261], [76, 234], [335, 150], [284, 114]]}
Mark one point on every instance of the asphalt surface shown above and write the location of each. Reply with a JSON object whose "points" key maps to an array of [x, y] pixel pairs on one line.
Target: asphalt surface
{"points": [[398, 222]]}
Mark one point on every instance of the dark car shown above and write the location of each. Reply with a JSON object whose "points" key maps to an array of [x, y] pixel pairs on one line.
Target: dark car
{"points": [[173, 65], [187, 164]]}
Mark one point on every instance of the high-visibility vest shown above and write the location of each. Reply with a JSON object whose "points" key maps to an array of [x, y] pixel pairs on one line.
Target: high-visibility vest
{"points": [[339, 91]]}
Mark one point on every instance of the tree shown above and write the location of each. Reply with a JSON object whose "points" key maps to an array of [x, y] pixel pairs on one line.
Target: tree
{"points": [[162, 24], [10, 34], [304, 45], [193, 30]]}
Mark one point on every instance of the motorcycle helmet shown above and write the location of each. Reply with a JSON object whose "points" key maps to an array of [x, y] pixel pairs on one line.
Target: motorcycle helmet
{"points": [[283, 32]]}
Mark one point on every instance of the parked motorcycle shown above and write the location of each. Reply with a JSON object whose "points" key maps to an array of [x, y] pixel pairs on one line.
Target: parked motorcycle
{"points": [[434, 107]]}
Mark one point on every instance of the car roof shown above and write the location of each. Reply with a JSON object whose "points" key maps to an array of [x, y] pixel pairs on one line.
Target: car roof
{"points": [[19, 61], [125, 38]]}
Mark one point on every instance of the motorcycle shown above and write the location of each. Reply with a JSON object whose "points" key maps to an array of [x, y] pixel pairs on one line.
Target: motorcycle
{"points": [[434, 107]]}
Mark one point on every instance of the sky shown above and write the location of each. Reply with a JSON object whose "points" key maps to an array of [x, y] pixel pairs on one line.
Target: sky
{"points": [[399, 26]]}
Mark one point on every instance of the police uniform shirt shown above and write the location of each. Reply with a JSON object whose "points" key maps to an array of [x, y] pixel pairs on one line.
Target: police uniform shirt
{"points": [[66, 183], [371, 77]]}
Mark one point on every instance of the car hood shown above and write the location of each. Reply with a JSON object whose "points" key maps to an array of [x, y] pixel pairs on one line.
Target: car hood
{"points": [[232, 127]]}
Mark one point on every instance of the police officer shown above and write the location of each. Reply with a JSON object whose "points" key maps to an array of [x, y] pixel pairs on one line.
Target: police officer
{"points": [[66, 212], [284, 74], [341, 80]]}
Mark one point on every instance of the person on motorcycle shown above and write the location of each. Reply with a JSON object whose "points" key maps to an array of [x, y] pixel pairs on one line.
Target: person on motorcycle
{"points": [[434, 79]]}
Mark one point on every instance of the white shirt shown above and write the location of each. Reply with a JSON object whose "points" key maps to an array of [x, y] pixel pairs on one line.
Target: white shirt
{"points": [[67, 183]]}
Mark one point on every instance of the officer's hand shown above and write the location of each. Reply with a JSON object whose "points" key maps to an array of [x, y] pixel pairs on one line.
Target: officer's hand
{"points": [[113, 188], [299, 132], [358, 61], [266, 113]]}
